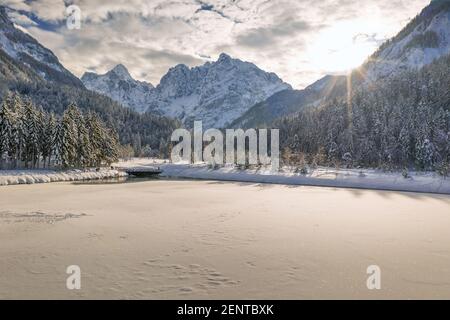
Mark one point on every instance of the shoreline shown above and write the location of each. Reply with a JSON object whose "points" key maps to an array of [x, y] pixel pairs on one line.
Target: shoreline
{"points": [[17, 177], [365, 179], [358, 179]]}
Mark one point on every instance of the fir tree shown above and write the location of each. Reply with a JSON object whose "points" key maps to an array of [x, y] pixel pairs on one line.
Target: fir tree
{"points": [[30, 126], [67, 138], [29, 134], [96, 132], [48, 139], [3, 133], [15, 134]]}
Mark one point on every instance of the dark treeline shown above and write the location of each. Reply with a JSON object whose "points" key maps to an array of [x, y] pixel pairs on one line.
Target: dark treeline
{"points": [[141, 133], [401, 122], [33, 138]]}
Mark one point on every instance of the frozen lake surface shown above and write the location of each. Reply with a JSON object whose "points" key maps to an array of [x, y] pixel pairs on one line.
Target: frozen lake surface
{"points": [[200, 239]]}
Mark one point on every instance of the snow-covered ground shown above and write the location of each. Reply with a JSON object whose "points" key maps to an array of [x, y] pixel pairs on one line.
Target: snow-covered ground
{"points": [[171, 239], [13, 177], [324, 177]]}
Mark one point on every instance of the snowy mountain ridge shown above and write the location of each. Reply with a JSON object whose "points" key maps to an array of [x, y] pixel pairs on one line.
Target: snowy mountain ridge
{"points": [[216, 93], [25, 49], [424, 40], [119, 85]]}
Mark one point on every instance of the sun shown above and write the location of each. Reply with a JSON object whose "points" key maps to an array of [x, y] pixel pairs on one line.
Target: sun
{"points": [[343, 46]]}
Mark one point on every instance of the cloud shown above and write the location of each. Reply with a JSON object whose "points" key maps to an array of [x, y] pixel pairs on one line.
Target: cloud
{"points": [[150, 36], [22, 20], [270, 36]]}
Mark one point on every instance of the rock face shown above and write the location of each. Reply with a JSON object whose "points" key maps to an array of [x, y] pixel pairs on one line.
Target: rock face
{"points": [[216, 93], [121, 87], [24, 49]]}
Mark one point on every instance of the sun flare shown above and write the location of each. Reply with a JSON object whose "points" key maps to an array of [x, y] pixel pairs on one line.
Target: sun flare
{"points": [[344, 46]]}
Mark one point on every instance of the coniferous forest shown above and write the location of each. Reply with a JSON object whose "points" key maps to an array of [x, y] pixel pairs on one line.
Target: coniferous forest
{"points": [[140, 134], [401, 122], [32, 138]]}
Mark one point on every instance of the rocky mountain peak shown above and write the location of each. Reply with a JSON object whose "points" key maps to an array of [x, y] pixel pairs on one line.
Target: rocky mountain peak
{"points": [[120, 86], [224, 58], [121, 71]]}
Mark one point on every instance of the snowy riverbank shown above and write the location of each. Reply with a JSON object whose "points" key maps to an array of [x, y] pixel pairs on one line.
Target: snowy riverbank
{"points": [[427, 182], [14, 177]]}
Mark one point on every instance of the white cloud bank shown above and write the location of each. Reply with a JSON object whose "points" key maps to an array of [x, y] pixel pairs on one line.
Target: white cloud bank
{"points": [[300, 40]]}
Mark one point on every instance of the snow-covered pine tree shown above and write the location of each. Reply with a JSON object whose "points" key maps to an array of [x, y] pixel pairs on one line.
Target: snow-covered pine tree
{"points": [[3, 133], [30, 130], [425, 153], [83, 141], [48, 139], [13, 107], [110, 146], [94, 128], [8, 129], [29, 134], [85, 153], [67, 139]]}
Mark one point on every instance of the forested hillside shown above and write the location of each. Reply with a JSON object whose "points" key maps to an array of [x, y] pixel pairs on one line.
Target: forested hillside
{"points": [[138, 130], [424, 39], [34, 72], [400, 122]]}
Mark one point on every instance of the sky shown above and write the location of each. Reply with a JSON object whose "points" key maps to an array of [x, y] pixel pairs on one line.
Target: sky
{"points": [[299, 40]]}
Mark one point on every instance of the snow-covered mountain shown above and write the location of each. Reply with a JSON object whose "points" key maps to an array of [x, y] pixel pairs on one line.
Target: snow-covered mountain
{"points": [[237, 93], [423, 40], [24, 49], [287, 102], [121, 87], [216, 93], [34, 72]]}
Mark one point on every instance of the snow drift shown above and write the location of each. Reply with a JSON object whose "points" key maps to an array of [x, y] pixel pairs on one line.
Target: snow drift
{"points": [[13, 177]]}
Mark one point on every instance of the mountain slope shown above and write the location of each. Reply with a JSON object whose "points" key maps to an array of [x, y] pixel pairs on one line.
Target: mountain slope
{"points": [[398, 113], [55, 96], [121, 87], [291, 101], [400, 122], [425, 39], [216, 93], [24, 49]]}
